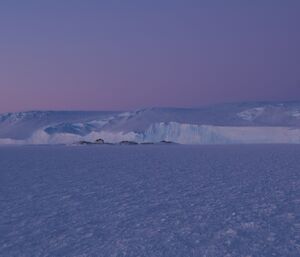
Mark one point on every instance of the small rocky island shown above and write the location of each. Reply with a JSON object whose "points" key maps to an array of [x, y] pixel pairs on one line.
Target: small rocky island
{"points": [[100, 141], [128, 143], [97, 142]]}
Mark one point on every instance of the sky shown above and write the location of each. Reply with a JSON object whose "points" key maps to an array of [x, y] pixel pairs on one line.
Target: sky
{"points": [[123, 55]]}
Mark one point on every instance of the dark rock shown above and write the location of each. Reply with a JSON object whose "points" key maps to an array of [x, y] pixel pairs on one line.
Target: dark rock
{"points": [[166, 142], [128, 143], [85, 143], [99, 141]]}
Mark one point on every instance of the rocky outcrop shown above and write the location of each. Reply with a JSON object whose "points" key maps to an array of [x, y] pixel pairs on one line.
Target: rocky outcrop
{"points": [[128, 143], [166, 142], [85, 143], [99, 141]]}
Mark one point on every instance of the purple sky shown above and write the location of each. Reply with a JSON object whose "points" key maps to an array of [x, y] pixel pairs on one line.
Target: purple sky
{"points": [[118, 55]]}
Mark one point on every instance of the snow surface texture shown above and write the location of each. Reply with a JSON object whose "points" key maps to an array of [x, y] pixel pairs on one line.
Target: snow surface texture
{"points": [[162, 201], [220, 124]]}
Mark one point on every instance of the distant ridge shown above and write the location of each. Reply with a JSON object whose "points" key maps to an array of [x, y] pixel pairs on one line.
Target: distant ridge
{"points": [[251, 122]]}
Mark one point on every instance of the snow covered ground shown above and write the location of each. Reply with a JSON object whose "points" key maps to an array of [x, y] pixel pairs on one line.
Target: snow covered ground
{"points": [[150, 201]]}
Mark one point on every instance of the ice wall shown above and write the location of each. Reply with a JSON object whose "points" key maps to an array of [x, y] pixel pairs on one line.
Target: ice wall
{"points": [[205, 134]]}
